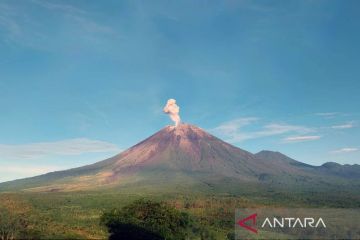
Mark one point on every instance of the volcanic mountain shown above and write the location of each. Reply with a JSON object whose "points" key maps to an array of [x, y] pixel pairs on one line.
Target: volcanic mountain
{"points": [[186, 157]]}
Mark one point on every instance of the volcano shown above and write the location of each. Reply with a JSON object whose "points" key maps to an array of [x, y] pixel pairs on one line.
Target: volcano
{"points": [[187, 157]]}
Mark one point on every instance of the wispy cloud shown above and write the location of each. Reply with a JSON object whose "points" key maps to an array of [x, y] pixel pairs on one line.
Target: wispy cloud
{"points": [[90, 26], [345, 150], [280, 128], [27, 170], [233, 131], [344, 126], [76, 15], [66, 147], [10, 26], [59, 6], [305, 138], [232, 127], [8, 21], [10, 172], [328, 115], [79, 27]]}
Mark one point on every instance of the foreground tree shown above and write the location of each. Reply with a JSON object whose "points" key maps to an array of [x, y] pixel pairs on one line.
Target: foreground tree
{"points": [[145, 219], [15, 224], [12, 226]]}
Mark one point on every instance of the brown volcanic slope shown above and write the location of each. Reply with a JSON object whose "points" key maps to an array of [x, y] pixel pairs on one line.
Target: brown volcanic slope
{"points": [[182, 157]]}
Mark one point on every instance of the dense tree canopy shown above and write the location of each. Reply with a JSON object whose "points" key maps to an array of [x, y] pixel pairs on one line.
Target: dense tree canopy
{"points": [[145, 219]]}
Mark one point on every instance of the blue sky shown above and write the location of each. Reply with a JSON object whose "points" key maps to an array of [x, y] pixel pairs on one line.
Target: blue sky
{"points": [[83, 80]]}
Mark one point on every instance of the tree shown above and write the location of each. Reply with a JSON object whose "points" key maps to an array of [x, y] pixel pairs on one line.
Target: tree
{"points": [[146, 219], [15, 225], [11, 226], [231, 235]]}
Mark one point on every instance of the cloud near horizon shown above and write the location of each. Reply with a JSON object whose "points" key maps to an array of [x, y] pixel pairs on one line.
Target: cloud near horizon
{"points": [[10, 172], [327, 115], [76, 146], [346, 150], [232, 130], [28, 170]]}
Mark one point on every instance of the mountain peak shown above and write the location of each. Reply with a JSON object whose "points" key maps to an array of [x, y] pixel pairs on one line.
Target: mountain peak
{"points": [[186, 131], [184, 146], [178, 155]]}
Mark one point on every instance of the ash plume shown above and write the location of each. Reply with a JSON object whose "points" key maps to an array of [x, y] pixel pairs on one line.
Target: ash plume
{"points": [[172, 109]]}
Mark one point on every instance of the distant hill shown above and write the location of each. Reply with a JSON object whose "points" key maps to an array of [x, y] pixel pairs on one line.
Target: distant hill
{"points": [[347, 171], [187, 158]]}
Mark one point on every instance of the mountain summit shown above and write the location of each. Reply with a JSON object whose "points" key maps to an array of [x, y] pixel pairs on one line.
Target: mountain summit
{"points": [[183, 156], [183, 148]]}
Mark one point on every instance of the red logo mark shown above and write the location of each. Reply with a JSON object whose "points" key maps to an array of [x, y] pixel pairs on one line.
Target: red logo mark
{"points": [[247, 227]]}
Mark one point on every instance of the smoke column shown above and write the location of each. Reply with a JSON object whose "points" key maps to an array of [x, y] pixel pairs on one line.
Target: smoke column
{"points": [[173, 111]]}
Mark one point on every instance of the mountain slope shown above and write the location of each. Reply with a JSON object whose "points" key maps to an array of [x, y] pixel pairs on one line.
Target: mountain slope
{"points": [[184, 156]]}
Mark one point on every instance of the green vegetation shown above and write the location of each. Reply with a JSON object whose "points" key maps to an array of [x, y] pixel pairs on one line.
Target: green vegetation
{"points": [[14, 223], [77, 215], [146, 219]]}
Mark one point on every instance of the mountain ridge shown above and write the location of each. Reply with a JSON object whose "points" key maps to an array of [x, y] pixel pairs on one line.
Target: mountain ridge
{"points": [[183, 155]]}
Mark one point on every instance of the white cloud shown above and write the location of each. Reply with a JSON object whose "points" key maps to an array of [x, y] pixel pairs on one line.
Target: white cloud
{"points": [[276, 128], [11, 172], [75, 146], [27, 170], [301, 138], [327, 114], [232, 130], [231, 127], [343, 126], [346, 150]]}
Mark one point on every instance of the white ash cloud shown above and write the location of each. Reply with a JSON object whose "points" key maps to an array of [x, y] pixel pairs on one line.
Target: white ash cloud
{"points": [[172, 109]]}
